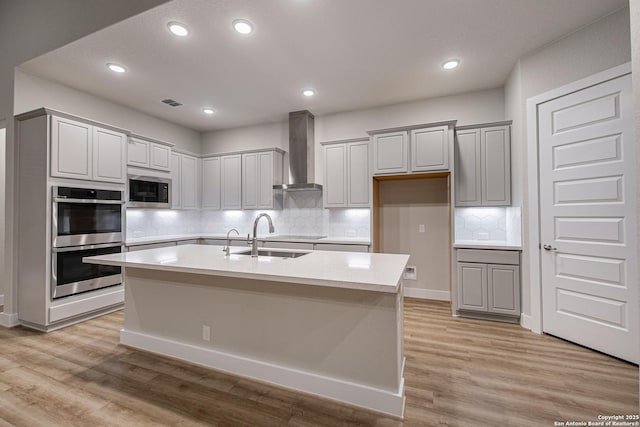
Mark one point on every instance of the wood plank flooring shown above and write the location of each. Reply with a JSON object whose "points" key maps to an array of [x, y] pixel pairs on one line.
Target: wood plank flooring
{"points": [[459, 372]]}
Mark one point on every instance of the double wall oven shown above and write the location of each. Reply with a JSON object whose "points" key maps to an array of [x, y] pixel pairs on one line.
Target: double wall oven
{"points": [[85, 222]]}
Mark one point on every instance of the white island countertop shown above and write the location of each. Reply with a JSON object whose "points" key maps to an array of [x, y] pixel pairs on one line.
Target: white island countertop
{"points": [[349, 270]]}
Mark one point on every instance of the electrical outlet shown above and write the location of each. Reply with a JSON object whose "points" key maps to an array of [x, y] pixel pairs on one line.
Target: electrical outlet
{"points": [[206, 333], [410, 273], [421, 228], [483, 236]]}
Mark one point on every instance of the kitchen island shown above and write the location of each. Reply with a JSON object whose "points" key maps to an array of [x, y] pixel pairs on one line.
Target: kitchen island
{"points": [[325, 323]]}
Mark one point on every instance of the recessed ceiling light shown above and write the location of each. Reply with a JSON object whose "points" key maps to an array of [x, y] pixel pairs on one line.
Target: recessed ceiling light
{"points": [[208, 110], [243, 26], [178, 29], [450, 64], [116, 68], [309, 92]]}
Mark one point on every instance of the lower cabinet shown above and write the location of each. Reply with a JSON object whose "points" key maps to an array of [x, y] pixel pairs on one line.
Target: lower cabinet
{"points": [[488, 281]]}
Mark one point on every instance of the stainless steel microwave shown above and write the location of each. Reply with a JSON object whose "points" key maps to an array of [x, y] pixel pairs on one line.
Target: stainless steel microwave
{"points": [[149, 192]]}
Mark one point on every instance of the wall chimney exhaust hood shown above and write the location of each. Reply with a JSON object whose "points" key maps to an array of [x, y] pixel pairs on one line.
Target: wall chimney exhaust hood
{"points": [[301, 153]]}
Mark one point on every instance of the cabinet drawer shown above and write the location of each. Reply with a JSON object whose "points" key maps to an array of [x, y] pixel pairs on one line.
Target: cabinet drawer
{"points": [[488, 256]]}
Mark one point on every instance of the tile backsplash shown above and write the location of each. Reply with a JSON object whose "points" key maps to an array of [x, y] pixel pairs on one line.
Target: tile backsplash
{"points": [[302, 215], [490, 223]]}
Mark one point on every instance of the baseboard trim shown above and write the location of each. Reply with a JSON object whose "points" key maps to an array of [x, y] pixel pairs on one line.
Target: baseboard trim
{"points": [[427, 294], [9, 320], [525, 321], [383, 401]]}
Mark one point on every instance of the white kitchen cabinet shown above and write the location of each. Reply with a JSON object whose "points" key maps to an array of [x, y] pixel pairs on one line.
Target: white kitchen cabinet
{"points": [[109, 162], [138, 153], [231, 181], [148, 154], [334, 190], [346, 171], [211, 183], [188, 182], [390, 153], [176, 182], [82, 151], [488, 281], [260, 172], [483, 166], [430, 149]]}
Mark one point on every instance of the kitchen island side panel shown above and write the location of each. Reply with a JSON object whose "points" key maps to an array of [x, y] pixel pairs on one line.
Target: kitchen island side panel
{"points": [[346, 334]]}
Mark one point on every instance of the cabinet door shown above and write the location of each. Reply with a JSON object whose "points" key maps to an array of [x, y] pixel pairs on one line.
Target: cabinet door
{"points": [[231, 178], [503, 282], [189, 182], [211, 183], [390, 153], [176, 193], [250, 181], [109, 155], [138, 153], [335, 176], [496, 166], [472, 286], [71, 149], [160, 157], [468, 177], [430, 149], [359, 179], [267, 176]]}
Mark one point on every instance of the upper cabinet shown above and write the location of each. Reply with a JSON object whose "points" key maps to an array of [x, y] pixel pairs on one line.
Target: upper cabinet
{"points": [[231, 181], [417, 149], [391, 153], [83, 151], [260, 172], [430, 149], [211, 183], [185, 171], [149, 154], [347, 180], [242, 180], [483, 166]]}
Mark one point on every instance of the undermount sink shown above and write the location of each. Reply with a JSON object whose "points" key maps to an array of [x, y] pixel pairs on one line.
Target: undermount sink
{"points": [[280, 254]]}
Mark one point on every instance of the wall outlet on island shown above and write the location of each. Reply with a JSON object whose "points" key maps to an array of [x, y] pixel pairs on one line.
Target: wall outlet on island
{"points": [[206, 332], [410, 273]]}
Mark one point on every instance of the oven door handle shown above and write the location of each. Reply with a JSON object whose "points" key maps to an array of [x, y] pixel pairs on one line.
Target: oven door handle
{"points": [[85, 247], [85, 201]]}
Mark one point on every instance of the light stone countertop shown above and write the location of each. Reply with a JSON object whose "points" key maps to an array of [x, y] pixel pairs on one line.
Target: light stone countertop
{"points": [[349, 270], [487, 244], [274, 238]]}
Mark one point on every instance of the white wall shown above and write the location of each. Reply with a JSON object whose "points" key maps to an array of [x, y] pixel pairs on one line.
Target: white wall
{"points": [[3, 134], [469, 108], [597, 47], [33, 92], [41, 26]]}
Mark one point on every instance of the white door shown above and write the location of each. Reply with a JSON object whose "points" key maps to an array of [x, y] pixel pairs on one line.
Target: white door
{"points": [[587, 218]]}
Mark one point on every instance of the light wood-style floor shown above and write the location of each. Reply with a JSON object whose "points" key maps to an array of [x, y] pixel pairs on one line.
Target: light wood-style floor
{"points": [[459, 372]]}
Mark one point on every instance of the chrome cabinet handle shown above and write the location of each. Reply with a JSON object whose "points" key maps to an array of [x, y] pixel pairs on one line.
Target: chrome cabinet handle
{"points": [[549, 248]]}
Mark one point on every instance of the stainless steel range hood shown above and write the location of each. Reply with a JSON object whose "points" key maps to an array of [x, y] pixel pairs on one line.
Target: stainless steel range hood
{"points": [[301, 153]]}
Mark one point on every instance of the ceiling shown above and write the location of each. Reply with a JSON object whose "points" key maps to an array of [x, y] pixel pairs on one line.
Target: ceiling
{"points": [[355, 53]]}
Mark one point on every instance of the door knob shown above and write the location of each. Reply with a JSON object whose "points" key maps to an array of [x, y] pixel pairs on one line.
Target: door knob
{"points": [[549, 248]]}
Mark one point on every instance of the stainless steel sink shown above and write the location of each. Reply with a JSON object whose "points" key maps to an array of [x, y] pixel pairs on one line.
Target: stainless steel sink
{"points": [[279, 254]]}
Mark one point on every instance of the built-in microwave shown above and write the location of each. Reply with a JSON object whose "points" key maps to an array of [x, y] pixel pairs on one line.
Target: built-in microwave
{"points": [[149, 192]]}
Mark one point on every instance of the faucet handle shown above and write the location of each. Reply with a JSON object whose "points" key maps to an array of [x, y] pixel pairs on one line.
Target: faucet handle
{"points": [[248, 238]]}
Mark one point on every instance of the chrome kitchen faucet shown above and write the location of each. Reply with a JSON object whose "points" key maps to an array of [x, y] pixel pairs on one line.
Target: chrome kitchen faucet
{"points": [[254, 242]]}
